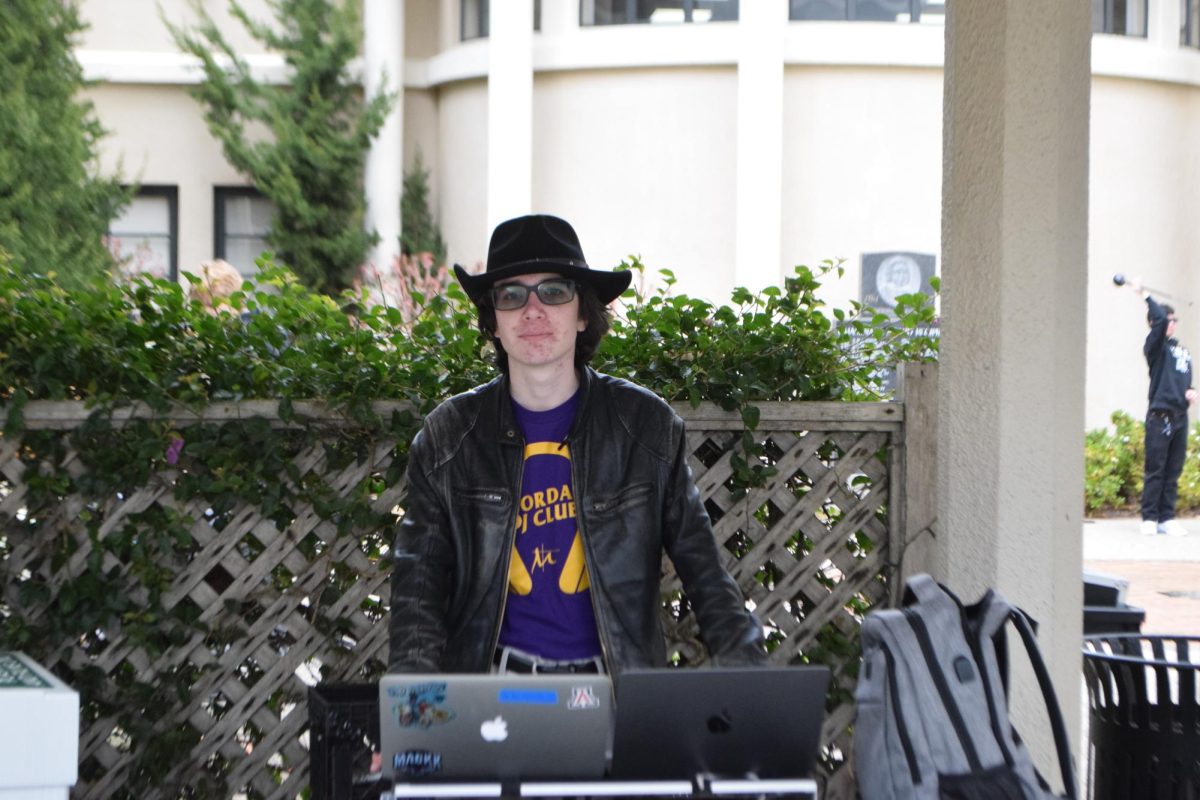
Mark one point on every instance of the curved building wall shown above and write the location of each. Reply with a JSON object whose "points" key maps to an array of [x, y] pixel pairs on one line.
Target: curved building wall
{"points": [[461, 172], [641, 161], [862, 166]]}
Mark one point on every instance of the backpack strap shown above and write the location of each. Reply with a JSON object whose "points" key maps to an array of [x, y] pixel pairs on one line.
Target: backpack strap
{"points": [[1025, 626], [922, 588]]}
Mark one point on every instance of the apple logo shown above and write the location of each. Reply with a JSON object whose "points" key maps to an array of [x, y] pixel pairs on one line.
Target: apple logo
{"points": [[494, 730], [721, 723]]}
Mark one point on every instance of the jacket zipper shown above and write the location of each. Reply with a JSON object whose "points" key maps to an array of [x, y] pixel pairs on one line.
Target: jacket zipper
{"points": [[507, 559], [905, 742], [943, 689], [593, 578]]}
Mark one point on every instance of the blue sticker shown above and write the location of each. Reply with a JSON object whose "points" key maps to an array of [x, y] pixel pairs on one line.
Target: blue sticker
{"points": [[420, 706], [417, 763], [530, 697]]}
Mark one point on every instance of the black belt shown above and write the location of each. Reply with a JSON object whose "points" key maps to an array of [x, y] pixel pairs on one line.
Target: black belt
{"points": [[520, 663]]}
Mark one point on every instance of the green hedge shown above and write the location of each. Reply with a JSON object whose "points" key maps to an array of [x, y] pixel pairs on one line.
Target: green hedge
{"points": [[1113, 463], [146, 341]]}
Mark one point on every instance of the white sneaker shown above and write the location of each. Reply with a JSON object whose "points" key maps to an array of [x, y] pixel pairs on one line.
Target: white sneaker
{"points": [[1172, 528], [1149, 528]]}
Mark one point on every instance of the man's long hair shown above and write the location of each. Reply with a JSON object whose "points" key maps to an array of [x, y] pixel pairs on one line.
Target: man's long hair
{"points": [[587, 342]]}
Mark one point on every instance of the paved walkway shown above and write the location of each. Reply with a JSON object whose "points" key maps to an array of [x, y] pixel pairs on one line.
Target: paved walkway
{"points": [[1163, 571]]}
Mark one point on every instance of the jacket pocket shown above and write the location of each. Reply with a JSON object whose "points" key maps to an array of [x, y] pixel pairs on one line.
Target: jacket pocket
{"points": [[481, 495], [635, 495]]}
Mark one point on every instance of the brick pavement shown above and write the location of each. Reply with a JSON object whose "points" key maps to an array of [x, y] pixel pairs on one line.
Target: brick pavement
{"points": [[1161, 588], [1163, 571]]}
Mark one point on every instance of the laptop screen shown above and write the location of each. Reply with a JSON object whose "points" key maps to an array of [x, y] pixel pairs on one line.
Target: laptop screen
{"points": [[456, 727], [676, 724]]}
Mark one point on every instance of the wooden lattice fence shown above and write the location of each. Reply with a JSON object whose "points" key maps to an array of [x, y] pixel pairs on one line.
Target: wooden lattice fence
{"points": [[271, 609]]}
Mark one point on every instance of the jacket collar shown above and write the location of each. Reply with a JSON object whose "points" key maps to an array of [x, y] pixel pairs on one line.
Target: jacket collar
{"points": [[507, 430]]}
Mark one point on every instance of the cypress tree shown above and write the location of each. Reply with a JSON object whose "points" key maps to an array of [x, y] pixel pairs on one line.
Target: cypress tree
{"points": [[310, 165], [55, 207], [419, 231]]}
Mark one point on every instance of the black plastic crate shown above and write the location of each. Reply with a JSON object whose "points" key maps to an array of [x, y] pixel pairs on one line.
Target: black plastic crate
{"points": [[343, 722]]}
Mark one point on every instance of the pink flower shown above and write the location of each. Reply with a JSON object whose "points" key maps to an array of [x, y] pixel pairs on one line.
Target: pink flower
{"points": [[174, 449]]}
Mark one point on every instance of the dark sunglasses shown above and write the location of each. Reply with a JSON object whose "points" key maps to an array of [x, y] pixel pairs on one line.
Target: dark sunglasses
{"points": [[552, 292]]}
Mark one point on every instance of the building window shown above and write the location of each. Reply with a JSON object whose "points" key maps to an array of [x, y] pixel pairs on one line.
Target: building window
{"points": [[870, 10], [474, 22], [243, 220], [1122, 17], [145, 237], [1189, 34], [632, 12]]}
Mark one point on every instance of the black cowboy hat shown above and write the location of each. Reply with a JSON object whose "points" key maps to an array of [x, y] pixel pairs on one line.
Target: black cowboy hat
{"points": [[539, 243]]}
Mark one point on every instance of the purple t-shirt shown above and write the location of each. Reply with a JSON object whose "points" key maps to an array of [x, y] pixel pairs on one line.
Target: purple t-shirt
{"points": [[549, 609]]}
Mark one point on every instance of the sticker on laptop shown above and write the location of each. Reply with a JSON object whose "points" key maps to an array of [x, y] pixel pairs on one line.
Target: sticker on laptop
{"points": [[420, 706], [417, 763], [528, 697], [582, 697]]}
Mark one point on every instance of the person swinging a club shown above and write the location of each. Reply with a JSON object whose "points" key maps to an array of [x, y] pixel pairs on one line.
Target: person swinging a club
{"points": [[1171, 394]]}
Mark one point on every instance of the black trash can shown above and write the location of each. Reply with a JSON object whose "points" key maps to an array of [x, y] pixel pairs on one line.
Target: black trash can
{"points": [[343, 724], [1145, 716]]}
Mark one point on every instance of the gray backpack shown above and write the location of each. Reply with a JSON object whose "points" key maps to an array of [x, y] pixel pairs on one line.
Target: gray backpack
{"points": [[933, 702]]}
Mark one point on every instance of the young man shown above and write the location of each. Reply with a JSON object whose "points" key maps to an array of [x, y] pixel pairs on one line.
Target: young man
{"points": [[1171, 393], [539, 504]]}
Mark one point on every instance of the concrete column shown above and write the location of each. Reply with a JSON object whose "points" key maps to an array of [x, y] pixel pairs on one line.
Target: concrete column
{"points": [[383, 55], [1011, 391], [510, 111], [761, 29]]}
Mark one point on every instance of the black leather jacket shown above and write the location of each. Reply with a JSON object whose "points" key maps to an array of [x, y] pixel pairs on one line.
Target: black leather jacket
{"points": [[634, 498]]}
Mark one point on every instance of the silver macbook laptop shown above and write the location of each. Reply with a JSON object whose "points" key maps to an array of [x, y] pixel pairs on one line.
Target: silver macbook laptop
{"points": [[457, 727], [681, 724]]}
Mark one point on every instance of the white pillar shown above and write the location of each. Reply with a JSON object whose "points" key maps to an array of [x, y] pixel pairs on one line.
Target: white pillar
{"points": [[510, 110], [1011, 392], [1164, 22], [383, 55], [761, 29]]}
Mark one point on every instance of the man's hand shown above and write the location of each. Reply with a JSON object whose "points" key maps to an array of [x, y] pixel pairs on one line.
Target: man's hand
{"points": [[1191, 397], [1135, 283]]}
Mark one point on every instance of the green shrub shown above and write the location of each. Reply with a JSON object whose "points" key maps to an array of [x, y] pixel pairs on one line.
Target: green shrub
{"points": [[1189, 481], [146, 341], [1114, 462]]}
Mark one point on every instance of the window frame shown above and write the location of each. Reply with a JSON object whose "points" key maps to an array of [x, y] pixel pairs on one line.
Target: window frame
{"points": [[915, 7], [221, 195], [1189, 28], [1108, 15], [689, 8], [484, 17], [171, 193]]}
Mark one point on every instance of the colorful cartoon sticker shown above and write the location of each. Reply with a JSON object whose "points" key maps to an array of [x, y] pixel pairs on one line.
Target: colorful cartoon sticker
{"points": [[420, 705]]}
